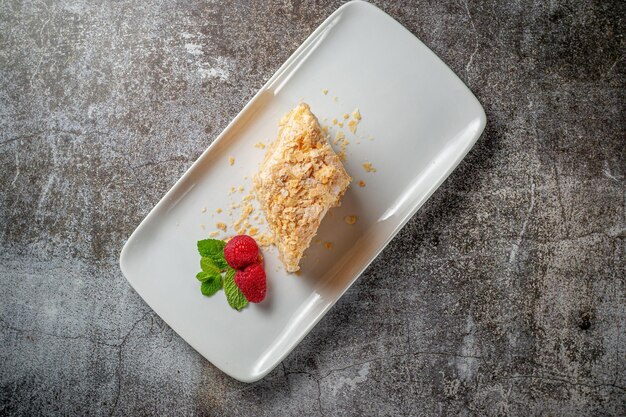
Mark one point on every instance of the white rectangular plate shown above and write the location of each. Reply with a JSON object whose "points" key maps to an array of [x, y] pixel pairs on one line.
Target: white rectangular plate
{"points": [[418, 121]]}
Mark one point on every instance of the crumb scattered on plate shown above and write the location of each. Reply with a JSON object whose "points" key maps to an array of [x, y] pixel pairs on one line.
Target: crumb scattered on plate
{"points": [[356, 114], [265, 240], [328, 245], [325, 91], [260, 145], [367, 166], [203, 209], [352, 125], [245, 214], [361, 183], [221, 226], [231, 160], [346, 116], [219, 210], [351, 219]]}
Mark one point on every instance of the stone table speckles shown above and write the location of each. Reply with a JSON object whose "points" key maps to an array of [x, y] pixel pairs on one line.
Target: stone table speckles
{"points": [[504, 295]]}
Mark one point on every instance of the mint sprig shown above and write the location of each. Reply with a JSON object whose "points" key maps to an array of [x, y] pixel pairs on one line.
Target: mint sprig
{"points": [[213, 264]]}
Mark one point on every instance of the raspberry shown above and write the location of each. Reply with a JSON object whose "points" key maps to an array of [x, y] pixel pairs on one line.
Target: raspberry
{"points": [[251, 282], [241, 251]]}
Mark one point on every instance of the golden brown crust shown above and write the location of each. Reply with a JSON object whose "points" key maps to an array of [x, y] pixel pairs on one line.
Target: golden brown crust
{"points": [[300, 178]]}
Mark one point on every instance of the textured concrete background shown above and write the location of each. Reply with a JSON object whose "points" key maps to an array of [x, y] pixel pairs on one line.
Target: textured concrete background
{"points": [[504, 295]]}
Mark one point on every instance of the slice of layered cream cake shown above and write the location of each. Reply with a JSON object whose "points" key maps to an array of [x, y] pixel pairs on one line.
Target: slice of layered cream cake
{"points": [[300, 178]]}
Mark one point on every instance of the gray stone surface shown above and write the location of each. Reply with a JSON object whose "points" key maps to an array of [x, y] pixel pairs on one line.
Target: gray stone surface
{"points": [[504, 295]]}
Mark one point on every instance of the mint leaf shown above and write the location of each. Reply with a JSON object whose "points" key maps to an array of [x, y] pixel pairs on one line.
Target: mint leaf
{"points": [[211, 285], [234, 296], [207, 265], [203, 276], [210, 247], [213, 249]]}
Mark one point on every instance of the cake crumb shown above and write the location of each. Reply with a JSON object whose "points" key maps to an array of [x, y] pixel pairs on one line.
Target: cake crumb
{"points": [[203, 226], [368, 167], [340, 124], [245, 214], [259, 145], [253, 231], [346, 116], [356, 114], [361, 183], [232, 190], [264, 240], [219, 210], [241, 188], [352, 126], [221, 226], [335, 99], [335, 121], [325, 91], [203, 210], [351, 219], [213, 234], [328, 245], [231, 160]]}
